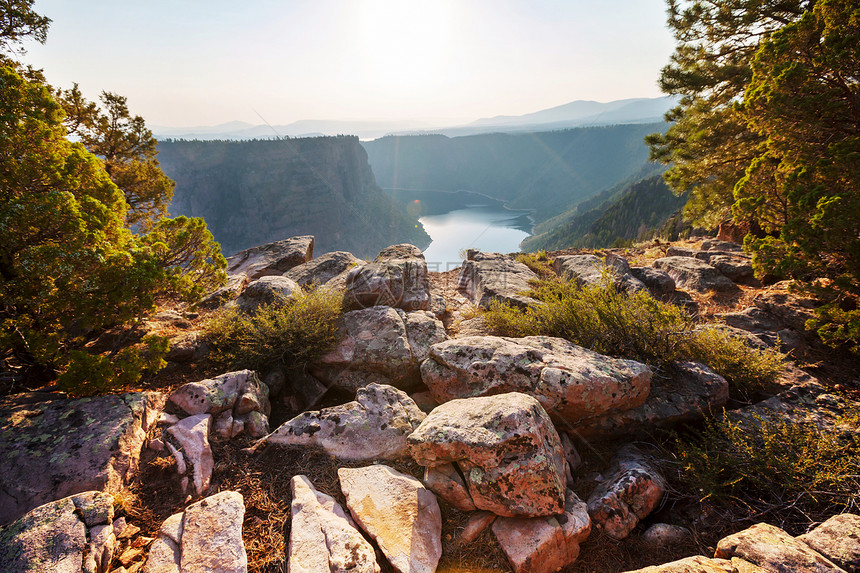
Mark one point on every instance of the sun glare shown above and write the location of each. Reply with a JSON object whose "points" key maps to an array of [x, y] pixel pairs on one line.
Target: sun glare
{"points": [[404, 44]]}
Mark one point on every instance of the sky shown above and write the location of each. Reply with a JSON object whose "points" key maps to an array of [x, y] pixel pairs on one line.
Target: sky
{"points": [[206, 62]]}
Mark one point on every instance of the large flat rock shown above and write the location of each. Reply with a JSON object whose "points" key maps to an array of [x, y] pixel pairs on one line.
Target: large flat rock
{"points": [[589, 270], [272, 258], [55, 448], [485, 277], [372, 427], [693, 274], [838, 539], [572, 383], [772, 549], [55, 536]]}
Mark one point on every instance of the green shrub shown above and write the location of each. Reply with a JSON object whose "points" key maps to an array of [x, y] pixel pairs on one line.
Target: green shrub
{"points": [[538, 262], [287, 332], [90, 374], [764, 463], [633, 325]]}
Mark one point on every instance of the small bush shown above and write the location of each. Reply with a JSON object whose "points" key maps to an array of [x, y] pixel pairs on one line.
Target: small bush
{"points": [[287, 332], [538, 262], [764, 463], [635, 326], [90, 374]]}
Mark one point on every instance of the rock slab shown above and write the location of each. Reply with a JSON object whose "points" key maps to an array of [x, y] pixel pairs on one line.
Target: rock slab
{"points": [[838, 539], [373, 427], [212, 535], [59, 447], [396, 277], [485, 277], [507, 447], [398, 512], [272, 258], [773, 549], [572, 383], [323, 537]]}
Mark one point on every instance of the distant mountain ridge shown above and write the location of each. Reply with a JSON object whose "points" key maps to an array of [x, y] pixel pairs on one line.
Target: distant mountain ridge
{"points": [[574, 114]]}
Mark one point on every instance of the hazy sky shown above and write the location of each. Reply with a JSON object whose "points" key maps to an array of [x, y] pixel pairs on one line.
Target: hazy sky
{"points": [[203, 62]]}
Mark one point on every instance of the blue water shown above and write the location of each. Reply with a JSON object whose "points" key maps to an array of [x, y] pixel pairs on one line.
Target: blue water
{"points": [[461, 220]]}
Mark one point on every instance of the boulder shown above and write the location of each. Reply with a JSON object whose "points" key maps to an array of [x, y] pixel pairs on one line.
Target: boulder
{"points": [[398, 512], [693, 274], [544, 544], [632, 491], [695, 564], [266, 290], [324, 268], [738, 269], [378, 345], [773, 549], [322, 536], [233, 288], [396, 277], [718, 245], [61, 536], [658, 282], [589, 269], [211, 538], [485, 277], [189, 438], [272, 258], [374, 426], [838, 539], [507, 447], [691, 392], [675, 251], [571, 382], [58, 447], [187, 347]]}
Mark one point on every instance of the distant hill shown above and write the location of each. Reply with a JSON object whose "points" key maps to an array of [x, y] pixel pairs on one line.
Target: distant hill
{"points": [[614, 217], [549, 172], [255, 192], [578, 113]]}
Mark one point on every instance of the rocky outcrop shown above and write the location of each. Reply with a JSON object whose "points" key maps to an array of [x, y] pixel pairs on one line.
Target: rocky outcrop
{"points": [[238, 401], [379, 345], [272, 258], [323, 270], [322, 536], [58, 447], [207, 536], [696, 564], [396, 277], [373, 427], [398, 512], [658, 282], [544, 544], [255, 192], [266, 290], [572, 383], [507, 448], [589, 270], [632, 491], [693, 274], [485, 277], [70, 535]]}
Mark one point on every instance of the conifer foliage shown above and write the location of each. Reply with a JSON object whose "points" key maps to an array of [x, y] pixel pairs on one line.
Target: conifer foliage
{"points": [[73, 261], [768, 133]]}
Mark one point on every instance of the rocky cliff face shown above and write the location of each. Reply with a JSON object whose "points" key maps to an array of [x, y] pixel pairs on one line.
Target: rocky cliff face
{"points": [[256, 192]]}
